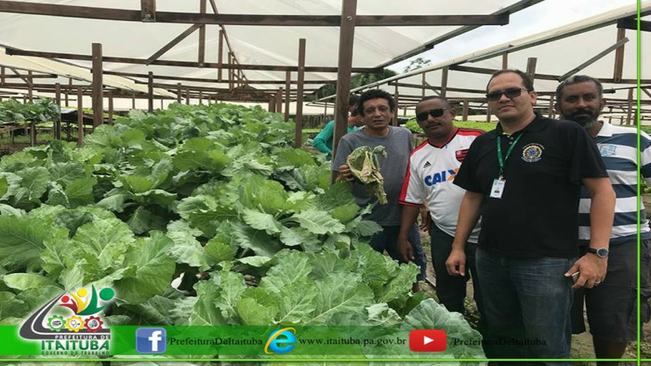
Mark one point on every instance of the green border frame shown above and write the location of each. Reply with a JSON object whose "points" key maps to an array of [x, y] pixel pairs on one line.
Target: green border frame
{"points": [[639, 181]]}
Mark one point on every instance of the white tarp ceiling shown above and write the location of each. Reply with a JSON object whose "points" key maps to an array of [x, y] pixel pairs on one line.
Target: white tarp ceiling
{"points": [[265, 45], [557, 51]]}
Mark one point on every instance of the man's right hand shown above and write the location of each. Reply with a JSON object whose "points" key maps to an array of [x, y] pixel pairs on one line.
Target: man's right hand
{"points": [[345, 173], [405, 250], [456, 263]]}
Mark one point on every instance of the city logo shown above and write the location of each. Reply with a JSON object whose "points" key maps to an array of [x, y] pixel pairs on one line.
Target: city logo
{"points": [[70, 324], [281, 341], [151, 340], [427, 340]]}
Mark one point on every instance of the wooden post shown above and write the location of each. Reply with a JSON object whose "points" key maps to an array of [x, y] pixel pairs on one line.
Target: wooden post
{"points": [[110, 105], [133, 100], [444, 81], [610, 114], [202, 35], [272, 105], [344, 69], [148, 10], [2, 75], [161, 104], [231, 75], [288, 79], [80, 117], [187, 96], [531, 68], [68, 91], [629, 114], [505, 61], [550, 113], [178, 93], [423, 82], [279, 100], [396, 100], [466, 107], [299, 98], [619, 57], [57, 122], [98, 98], [30, 88], [32, 133], [220, 56], [150, 92], [200, 96], [488, 114]]}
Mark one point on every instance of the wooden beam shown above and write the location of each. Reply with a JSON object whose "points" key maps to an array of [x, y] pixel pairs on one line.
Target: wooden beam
{"points": [[629, 113], [345, 64], [466, 107], [480, 70], [444, 81], [150, 93], [423, 84], [30, 89], [133, 100], [57, 122], [80, 117], [396, 100], [279, 100], [594, 59], [69, 56], [220, 55], [148, 10], [288, 80], [200, 96], [550, 110], [272, 105], [231, 76], [98, 99], [187, 96], [27, 81], [67, 100], [172, 43], [202, 34], [213, 6], [110, 107], [531, 68], [646, 92], [619, 57], [209, 80], [299, 102], [148, 13], [505, 61], [178, 93], [2, 75], [631, 23]]}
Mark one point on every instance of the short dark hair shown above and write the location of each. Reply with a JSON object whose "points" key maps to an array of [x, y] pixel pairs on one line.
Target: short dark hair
{"points": [[352, 99], [374, 94], [576, 79], [526, 80], [430, 97]]}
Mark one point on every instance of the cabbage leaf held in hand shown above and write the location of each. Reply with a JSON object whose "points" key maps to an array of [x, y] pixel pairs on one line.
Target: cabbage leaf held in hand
{"points": [[365, 166]]}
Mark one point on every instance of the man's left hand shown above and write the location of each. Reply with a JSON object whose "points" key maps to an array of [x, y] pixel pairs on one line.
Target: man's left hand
{"points": [[592, 271]]}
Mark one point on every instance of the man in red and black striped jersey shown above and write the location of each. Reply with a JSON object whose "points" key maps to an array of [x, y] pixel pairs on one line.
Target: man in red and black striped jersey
{"points": [[432, 168]]}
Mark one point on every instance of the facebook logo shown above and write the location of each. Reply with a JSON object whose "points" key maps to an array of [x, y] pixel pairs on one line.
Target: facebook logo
{"points": [[151, 340]]}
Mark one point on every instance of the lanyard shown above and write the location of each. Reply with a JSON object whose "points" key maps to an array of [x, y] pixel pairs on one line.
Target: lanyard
{"points": [[501, 160]]}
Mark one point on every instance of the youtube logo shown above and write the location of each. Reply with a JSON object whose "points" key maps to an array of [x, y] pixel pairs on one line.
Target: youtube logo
{"points": [[427, 340]]}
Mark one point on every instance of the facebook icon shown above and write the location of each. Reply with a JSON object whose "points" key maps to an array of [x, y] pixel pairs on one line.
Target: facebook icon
{"points": [[151, 340]]}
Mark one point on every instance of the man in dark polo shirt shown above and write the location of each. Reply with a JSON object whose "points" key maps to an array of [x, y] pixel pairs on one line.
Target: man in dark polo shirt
{"points": [[524, 179]]}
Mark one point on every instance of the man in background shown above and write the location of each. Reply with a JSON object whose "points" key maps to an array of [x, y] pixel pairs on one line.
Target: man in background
{"points": [[324, 140], [611, 306]]}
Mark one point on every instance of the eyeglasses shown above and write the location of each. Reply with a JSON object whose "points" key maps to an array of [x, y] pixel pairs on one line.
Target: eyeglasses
{"points": [[436, 112], [510, 93]]}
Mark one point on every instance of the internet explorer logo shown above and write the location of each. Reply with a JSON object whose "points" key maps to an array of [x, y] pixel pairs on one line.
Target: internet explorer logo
{"points": [[281, 341]]}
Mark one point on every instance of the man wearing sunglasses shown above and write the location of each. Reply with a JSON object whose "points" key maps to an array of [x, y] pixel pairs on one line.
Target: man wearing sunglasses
{"points": [[376, 108], [611, 306], [432, 167], [524, 180]]}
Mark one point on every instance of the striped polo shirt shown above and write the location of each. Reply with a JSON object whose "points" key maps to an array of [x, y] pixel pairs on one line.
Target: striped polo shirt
{"points": [[617, 146]]}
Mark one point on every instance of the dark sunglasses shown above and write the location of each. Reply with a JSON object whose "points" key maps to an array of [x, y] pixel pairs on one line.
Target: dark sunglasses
{"points": [[510, 93], [436, 112]]}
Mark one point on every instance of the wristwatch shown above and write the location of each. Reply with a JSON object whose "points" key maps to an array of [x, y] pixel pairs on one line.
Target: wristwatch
{"points": [[599, 252]]}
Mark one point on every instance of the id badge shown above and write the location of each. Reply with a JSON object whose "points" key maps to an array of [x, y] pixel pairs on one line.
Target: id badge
{"points": [[498, 188]]}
